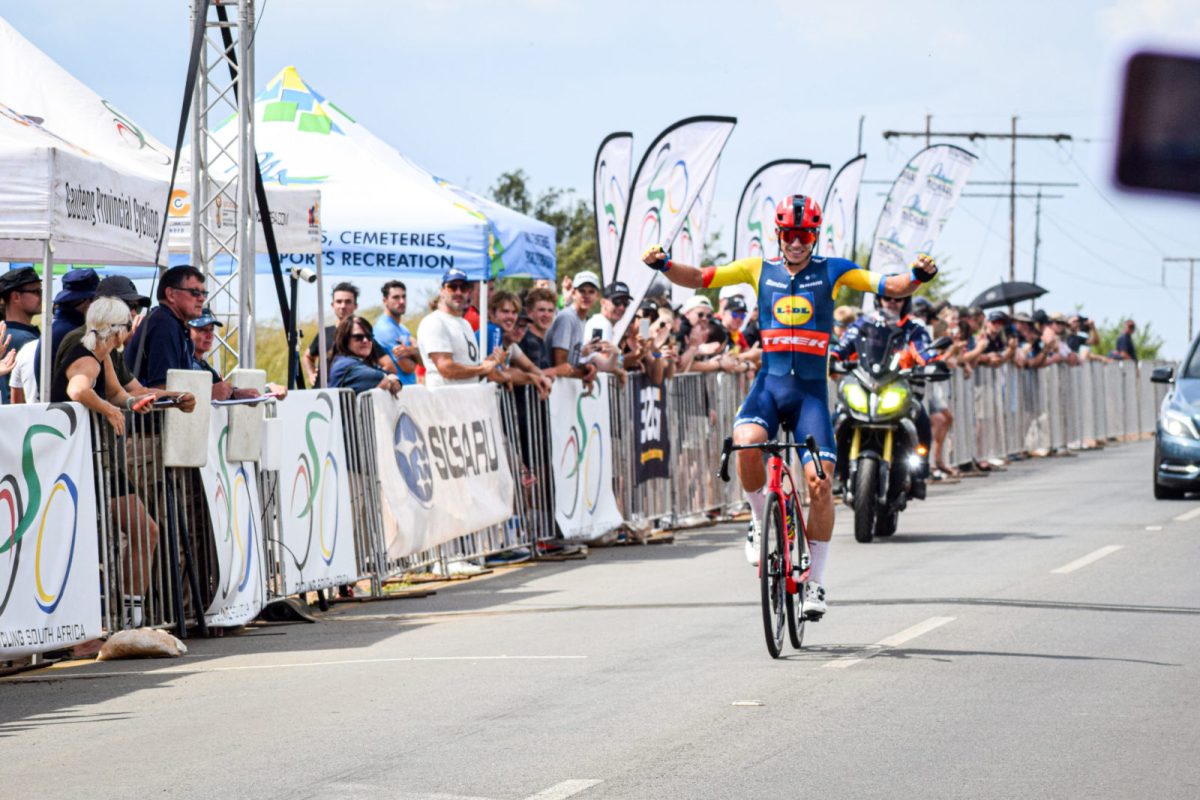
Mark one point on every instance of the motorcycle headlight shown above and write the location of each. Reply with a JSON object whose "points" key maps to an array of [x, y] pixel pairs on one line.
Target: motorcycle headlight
{"points": [[1178, 424], [855, 396], [892, 398]]}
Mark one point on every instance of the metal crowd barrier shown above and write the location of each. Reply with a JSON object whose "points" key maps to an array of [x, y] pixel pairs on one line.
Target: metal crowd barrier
{"points": [[1004, 411], [157, 559], [156, 543]]}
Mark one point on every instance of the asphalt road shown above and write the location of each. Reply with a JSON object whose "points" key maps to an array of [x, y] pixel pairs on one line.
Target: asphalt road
{"points": [[1030, 634]]}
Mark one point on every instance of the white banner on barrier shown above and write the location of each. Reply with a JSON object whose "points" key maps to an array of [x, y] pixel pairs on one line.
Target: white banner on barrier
{"points": [[581, 448], [49, 559], [231, 492], [314, 494], [443, 463]]}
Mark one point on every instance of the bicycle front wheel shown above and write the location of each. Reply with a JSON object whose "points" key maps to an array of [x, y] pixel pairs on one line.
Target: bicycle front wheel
{"points": [[772, 576], [795, 603]]}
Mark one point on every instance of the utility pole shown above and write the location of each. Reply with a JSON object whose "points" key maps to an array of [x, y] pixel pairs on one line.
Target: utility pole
{"points": [[854, 236], [1037, 231], [1012, 136], [1191, 262]]}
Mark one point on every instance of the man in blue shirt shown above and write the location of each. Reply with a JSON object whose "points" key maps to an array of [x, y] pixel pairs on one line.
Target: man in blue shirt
{"points": [[162, 341], [21, 291], [391, 335]]}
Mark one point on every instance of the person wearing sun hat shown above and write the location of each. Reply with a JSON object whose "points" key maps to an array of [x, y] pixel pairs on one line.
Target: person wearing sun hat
{"points": [[70, 309]]}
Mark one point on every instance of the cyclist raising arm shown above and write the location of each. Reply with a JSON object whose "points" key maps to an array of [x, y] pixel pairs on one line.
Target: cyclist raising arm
{"points": [[795, 309]]}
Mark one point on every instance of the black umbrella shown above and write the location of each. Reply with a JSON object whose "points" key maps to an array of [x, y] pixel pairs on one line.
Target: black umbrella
{"points": [[1007, 294]]}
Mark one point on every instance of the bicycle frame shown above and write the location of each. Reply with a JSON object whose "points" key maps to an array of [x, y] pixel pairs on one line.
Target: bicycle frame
{"points": [[777, 474], [781, 484]]}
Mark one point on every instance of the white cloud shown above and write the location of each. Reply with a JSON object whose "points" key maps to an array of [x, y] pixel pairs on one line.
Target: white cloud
{"points": [[1142, 18]]}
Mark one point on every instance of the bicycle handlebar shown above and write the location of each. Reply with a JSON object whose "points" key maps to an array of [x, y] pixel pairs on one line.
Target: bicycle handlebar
{"points": [[773, 448]]}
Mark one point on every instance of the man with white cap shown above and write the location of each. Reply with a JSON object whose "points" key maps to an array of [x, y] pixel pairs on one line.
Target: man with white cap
{"points": [[566, 333], [448, 345]]}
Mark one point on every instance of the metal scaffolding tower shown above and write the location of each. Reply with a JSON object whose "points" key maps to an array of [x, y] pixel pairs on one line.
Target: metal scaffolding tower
{"points": [[223, 172]]}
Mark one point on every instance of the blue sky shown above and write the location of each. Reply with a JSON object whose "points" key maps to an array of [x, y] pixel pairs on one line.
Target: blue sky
{"points": [[472, 88]]}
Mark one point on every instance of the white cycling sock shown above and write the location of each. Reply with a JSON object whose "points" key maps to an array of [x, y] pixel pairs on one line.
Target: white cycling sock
{"points": [[819, 551], [758, 502]]}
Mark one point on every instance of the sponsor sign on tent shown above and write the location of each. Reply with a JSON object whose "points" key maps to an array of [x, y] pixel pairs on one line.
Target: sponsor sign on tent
{"points": [[443, 463], [49, 559], [581, 449], [313, 503]]}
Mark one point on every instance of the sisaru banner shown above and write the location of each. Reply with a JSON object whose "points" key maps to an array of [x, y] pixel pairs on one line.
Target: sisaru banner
{"points": [[443, 464], [652, 444]]}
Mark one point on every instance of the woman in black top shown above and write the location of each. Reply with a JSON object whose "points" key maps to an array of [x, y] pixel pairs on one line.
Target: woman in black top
{"points": [[107, 328]]}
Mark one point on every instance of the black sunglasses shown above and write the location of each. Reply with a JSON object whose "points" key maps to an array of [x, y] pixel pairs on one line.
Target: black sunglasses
{"points": [[359, 337]]}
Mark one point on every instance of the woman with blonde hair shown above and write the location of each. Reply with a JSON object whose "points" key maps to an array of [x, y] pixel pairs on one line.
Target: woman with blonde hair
{"points": [[107, 327]]}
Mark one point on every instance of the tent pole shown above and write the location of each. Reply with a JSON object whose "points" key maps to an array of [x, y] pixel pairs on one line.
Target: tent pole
{"points": [[483, 317], [46, 332], [322, 368]]}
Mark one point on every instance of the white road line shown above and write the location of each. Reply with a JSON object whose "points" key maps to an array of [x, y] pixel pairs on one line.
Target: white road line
{"points": [[895, 640], [560, 791], [1187, 515], [1154, 527], [1088, 559]]}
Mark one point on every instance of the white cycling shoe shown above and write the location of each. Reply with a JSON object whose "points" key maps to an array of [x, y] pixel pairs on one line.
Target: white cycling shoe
{"points": [[814, 601], [752, 544]]}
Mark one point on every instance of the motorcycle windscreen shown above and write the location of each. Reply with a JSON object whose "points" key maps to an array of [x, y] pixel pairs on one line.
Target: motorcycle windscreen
{"points": [[877, 344]]}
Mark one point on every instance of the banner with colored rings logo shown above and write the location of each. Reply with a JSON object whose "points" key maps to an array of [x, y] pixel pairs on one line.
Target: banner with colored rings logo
{"points": [[443, 464], [581, 448], [231, 492], [49, 554], [315, 514]]}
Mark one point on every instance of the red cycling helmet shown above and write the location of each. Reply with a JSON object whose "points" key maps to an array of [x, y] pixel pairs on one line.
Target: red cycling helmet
{"points": [[798, 211]]}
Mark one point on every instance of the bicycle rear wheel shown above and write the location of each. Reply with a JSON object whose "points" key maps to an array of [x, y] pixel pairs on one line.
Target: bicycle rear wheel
{"points": [[776, 602], [795, 603]]}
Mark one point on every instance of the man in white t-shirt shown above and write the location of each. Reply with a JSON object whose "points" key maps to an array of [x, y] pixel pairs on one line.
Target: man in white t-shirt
{"points": [[566, 334], [23, 375], [448, 345]]}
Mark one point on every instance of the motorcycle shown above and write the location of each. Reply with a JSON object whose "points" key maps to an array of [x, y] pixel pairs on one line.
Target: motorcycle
{"points": [[880, 462]]}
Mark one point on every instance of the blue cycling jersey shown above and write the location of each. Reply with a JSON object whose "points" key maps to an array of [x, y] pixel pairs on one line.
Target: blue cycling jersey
{"points": [[795, 312]]}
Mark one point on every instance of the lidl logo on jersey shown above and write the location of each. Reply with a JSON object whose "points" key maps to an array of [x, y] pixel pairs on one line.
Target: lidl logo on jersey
{"points": [[792, 310]]}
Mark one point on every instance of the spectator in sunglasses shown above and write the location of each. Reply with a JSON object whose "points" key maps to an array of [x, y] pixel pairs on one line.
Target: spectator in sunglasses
{"points": [[21, 294], [353, 366], [449, 347]]}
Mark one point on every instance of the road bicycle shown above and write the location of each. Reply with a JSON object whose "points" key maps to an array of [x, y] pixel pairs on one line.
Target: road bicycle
{"points": [[781, 576]]}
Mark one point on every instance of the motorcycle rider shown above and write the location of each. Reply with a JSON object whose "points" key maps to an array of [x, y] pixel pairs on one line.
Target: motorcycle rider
{"points": [[915, 351], [795, 308]]}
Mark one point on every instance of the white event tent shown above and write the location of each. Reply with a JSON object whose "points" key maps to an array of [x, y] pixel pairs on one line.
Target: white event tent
{"points": [[382, 215]]}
